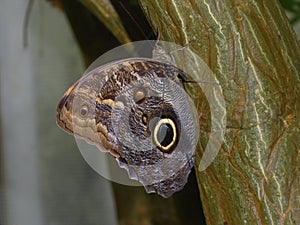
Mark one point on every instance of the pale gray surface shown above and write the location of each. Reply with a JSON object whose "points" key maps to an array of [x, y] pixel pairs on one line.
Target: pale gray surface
{"points": [[46, 181]]}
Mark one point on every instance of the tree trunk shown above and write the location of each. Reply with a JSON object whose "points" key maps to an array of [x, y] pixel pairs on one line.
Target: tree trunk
{"points": [[253, 52]]}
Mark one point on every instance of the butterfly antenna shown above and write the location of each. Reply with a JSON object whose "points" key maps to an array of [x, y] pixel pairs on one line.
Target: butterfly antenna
{"points": [[201, 81], [133, 19], [184, 79], [183, 47]]}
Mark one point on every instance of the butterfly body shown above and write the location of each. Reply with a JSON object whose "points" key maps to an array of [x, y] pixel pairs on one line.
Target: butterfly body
{"points": [[135, 109]]}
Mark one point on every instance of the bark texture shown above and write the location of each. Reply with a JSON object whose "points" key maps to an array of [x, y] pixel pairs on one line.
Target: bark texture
{"points": [[254, 53]]}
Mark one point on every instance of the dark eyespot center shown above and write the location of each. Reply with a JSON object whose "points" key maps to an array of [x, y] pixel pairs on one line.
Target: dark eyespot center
{"points": [[84, 110], [165, 135]]}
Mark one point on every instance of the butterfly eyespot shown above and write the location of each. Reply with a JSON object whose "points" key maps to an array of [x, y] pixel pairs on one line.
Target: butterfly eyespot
{"points": [[122, 100], [145, 119], [140, 95], [84, 110], [165, 135]]}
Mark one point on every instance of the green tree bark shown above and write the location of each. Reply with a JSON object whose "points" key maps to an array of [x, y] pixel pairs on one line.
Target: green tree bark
{"points": [[253, 51]]}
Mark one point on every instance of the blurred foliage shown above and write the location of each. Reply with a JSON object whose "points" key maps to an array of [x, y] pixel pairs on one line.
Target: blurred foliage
{"points": [[293, 7]]}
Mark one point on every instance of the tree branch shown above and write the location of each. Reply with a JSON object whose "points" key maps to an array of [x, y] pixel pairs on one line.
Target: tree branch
{"points": [[254, 53]]}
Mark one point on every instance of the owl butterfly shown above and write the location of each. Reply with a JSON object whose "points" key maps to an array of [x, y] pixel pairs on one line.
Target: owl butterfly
{"points": [[137, 110]]}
